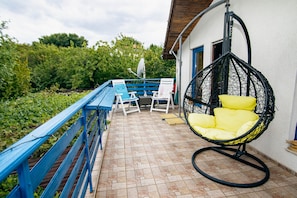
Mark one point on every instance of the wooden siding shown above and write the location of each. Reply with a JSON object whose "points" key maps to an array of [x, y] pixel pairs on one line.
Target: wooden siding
{"points": [[181, 13]]}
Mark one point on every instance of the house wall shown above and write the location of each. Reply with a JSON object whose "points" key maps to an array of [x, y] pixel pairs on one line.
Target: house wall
{"points": [[272, 28]]}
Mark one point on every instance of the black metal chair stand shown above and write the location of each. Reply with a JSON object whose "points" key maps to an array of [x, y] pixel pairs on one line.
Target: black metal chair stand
{"points": [[237, 155], [232, 76]]}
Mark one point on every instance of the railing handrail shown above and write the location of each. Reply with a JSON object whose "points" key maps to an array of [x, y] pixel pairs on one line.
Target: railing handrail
{"points": [[88, 129], [14, 155]]}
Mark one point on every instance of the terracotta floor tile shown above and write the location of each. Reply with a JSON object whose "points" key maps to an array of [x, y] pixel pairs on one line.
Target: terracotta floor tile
{"points": [[146, 157]]}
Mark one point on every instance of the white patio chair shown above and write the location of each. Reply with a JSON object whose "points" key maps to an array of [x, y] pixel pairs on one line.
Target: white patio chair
{"points": [[164, 93], [123, 97]]}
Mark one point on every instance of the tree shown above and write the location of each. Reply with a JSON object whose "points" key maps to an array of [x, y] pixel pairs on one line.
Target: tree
{"points": [[42, 66], [64, 40], [126, 53], [44, 61], [156, 67], [14, 71]]}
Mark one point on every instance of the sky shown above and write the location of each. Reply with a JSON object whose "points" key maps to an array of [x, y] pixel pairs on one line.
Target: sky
{"points": [[144, 20]]}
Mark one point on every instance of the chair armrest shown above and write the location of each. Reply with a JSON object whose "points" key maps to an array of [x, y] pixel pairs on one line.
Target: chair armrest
{"points": [[155, 93], [132, 94]]}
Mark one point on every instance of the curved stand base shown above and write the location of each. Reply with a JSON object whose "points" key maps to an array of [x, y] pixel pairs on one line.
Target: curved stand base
{"points": [[237, 154]]}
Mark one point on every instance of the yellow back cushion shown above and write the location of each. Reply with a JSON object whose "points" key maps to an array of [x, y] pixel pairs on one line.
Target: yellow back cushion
{"points": [[232, 120], [238, 102]]}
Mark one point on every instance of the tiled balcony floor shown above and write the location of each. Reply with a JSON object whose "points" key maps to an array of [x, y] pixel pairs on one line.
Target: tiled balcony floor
{"points": [[146, 157]]}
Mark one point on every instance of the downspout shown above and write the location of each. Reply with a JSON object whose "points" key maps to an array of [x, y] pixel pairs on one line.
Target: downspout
{"points": [[179, 77], [228, 26]]}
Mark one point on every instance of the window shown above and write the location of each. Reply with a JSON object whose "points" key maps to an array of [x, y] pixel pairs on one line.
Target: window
{"points": [[216, 75], [217, 50], [196, 67], [197, 60]]}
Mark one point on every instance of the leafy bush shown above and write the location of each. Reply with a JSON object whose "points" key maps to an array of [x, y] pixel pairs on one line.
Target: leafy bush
{"points": [[33, 68], [19, 117], [14, 71], [8, 185]]}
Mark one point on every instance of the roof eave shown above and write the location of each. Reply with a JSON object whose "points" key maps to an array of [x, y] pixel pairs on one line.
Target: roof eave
{"points": [[181, 13]]}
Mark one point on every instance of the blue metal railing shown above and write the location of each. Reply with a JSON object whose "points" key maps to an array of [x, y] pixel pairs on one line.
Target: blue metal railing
{"points": [[71, 158], [143, 86]]}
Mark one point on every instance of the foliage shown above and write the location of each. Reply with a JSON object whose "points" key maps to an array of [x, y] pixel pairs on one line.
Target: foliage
{"points": [[14, 71], [156, 67], [86, 68], [64, 61], [64, 40], [8, 185], [20, 116]]}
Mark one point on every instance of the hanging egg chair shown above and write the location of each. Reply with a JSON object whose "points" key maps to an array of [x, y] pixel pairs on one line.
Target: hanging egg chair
{"points": [[230, 103]]}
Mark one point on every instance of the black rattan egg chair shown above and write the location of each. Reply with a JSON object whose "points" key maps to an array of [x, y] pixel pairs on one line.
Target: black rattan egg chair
{"points": [[229, 75]]}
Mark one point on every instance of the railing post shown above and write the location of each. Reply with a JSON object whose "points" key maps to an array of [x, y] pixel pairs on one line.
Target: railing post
{"points": [[99, 128], [87, 152], [25, 180], [144, 87]]}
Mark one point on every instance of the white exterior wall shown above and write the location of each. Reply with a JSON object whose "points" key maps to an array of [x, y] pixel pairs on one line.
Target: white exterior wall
{"points": [[273, 32]]}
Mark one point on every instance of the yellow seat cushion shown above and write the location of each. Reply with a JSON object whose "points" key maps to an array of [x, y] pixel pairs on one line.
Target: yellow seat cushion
{"points": [[232, 120], [238, 102], [202, 120], [245, 127], [214, 133], [235, 118], [200, 130]]}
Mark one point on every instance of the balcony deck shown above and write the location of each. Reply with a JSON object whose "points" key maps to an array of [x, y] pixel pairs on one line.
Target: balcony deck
{"points": [[146, 157]]}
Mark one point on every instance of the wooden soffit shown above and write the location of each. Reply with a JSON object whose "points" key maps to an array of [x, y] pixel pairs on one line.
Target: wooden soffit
{"points": [[181, 13]]}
